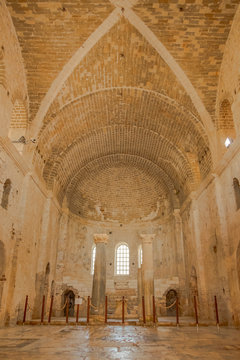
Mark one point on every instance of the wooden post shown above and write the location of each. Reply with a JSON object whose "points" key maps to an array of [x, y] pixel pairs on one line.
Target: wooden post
{"points": [[50, 310], [25, 309], [177, 313], [43, 305], [143, 310], [123, 301], [67, 310], [154, 310], [196, 311], [216, 310], [106, 309], [88, 308], [77, 315]]}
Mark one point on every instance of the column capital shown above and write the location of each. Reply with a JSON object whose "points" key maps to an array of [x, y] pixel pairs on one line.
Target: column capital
{"points": [[147, 238], [100, 238]]}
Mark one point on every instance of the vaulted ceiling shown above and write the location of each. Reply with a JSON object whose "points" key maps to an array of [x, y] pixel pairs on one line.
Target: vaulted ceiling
{"points": [[122, 98]]}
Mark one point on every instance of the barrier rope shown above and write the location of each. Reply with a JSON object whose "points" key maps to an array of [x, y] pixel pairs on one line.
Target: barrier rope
{"points": [[62, 308], [170, 306], [120, 301], [29, 308], [94, 307]]}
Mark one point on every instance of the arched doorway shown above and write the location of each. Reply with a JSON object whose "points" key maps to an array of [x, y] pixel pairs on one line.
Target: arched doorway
{"points": [[69, 294], [170, 300]]}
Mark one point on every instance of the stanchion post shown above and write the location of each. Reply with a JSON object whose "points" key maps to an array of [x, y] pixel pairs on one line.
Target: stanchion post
{"points": [[67, 310], [177, 312], [196, 310], [43, 306], [25, 309], [106, 309], [216, 310], [50, 310], [123, 310], [154, 310], [88, 309], [143, 310], [77, 315]]}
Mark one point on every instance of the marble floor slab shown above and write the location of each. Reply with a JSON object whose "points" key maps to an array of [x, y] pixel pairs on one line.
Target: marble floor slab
{"points": [[118, 342]]}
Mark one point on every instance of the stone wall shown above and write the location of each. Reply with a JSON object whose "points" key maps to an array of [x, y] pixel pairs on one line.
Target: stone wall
{"points": [[75, 252], [28, 231]]}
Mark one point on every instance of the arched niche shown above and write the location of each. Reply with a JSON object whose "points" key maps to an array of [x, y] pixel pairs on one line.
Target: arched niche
{"points": [[225, 125]]}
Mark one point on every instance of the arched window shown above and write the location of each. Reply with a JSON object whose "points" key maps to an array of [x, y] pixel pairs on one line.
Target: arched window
{"points": [[6, 191], [140, 256], [93, 259], [236, 192], [122, 260]]}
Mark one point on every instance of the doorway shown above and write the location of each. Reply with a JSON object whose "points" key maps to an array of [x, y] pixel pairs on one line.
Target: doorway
{"points": [[69, 294], [171, 298]]}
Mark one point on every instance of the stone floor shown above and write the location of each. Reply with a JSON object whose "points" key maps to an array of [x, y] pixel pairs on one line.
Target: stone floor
{"points": [[118, 342]]}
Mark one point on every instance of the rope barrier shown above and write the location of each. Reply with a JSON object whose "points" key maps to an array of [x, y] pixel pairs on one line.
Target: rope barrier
{"points": [[62, 307], [170, 306], [29, 307], [93, 306]]}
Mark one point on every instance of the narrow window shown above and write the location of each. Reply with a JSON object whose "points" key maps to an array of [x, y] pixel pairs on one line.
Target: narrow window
{"points": [[122, 260], [140, 256], [6, 191], [236, 192], [228, 142], [238, 264], [93, 259]]}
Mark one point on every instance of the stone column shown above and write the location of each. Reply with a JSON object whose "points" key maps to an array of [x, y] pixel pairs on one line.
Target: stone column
{"points": [[180, 262], [147, 273], [202, 284], [99, 277]]}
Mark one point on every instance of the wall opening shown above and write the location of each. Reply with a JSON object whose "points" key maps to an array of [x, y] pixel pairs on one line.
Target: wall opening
{"points": [[93, 259], [140, 256], [225, 124], [6, 192], [171, 298], [236, 188], [2, 270], [70, 296], [238, 264]]}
